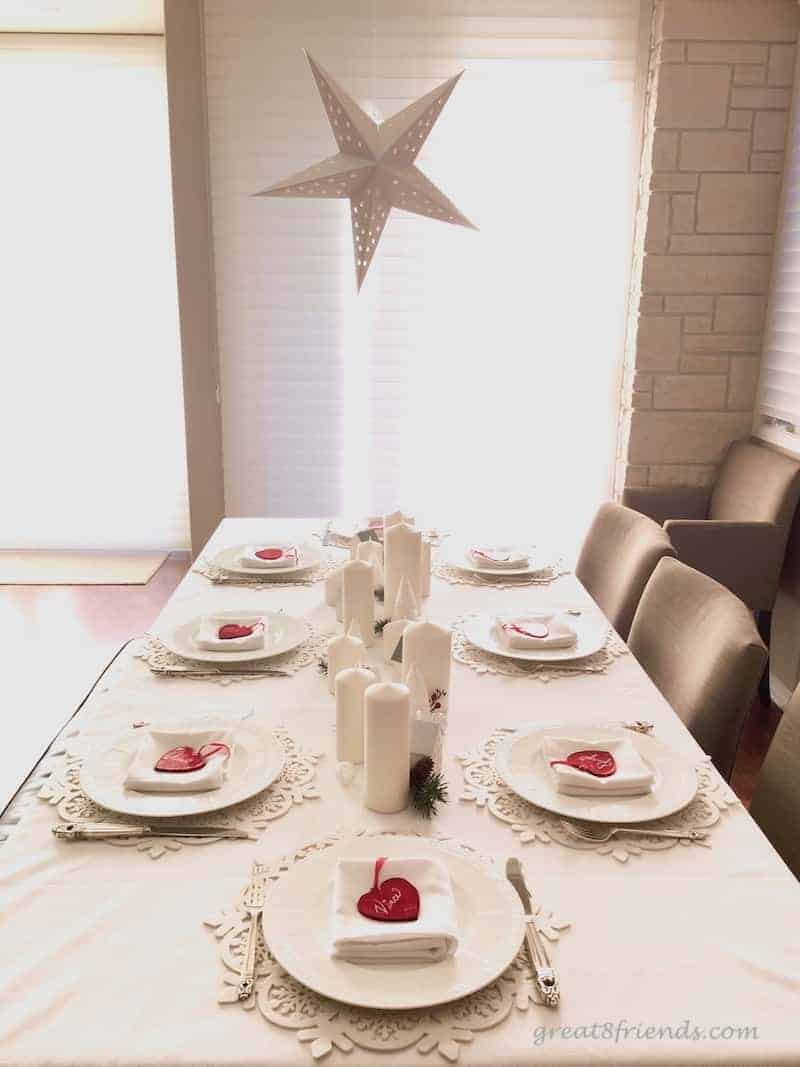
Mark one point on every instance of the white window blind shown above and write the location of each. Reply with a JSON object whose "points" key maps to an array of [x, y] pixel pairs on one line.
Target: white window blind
{"points": [[476, 374], [92, 433], [777, 415]]}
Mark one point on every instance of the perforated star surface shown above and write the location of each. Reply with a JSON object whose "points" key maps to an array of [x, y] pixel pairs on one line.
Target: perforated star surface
{"points": [[374, 167]]}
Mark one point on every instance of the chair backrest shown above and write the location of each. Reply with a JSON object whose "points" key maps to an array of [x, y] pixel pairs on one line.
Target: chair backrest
{"points": [[756, 484], [619, 554], [776, 800], [699, 644]]}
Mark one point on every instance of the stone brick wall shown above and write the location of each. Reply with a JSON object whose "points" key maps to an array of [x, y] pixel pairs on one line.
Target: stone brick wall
{"points": [[717, 104]]}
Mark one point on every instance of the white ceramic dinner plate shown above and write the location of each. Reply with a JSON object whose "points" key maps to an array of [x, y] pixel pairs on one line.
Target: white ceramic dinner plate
{"points": [[457, 557], [256, 761], [283, 633], [228, 560], [591, 628], [296, 925], [522, 766]]}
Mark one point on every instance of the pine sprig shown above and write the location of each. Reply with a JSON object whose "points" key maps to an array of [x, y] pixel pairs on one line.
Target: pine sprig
{"points": [[379, 626], [322, 665], [427, 790]]}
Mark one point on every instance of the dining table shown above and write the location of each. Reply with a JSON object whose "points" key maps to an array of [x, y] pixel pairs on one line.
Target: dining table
{"points": [[667, 953]]}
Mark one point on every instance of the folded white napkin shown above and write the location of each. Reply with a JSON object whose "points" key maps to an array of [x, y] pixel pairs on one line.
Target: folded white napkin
{"points": [[633, 777], [289, 556], [207, 636], [144, 778], [433, 936], [546, 629], [499, 556]]}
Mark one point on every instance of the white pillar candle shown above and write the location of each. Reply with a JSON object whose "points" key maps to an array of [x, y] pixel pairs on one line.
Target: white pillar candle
{"points": [[392, 632], [405, 605], [358, 599], [372, 552], [425, 569], [401, 557], [333, 587], [344, 651], [387, 740], [350, 686], [428, 647]]}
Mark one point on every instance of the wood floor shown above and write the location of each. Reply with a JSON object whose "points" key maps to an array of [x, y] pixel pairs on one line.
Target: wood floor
{"points": [[81, 627]]}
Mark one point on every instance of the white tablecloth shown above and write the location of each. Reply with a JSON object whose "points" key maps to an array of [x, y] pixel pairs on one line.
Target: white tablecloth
{"points": [[104, 958]]}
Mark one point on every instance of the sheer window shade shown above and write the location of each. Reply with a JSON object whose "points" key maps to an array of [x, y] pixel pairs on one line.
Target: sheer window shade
{"points": [[476, 373], [92, 432], [778, 405]]}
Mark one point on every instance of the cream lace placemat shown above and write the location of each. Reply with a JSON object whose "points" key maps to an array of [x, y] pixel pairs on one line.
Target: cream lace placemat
{"points": [[295, 784], [208, 569], [456, 576], [324, 1025], [162, 661], [488, 663], [484, 788]]}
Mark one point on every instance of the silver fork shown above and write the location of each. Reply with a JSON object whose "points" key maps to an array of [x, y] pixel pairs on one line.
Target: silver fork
{"points": [[253, 905], [605, 833]]}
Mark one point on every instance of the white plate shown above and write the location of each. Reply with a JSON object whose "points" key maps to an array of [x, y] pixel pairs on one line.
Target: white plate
{"points": [[590, 626], [457, 557], [296, 925], [283, 633], [228, 560], [522, 766], [256, 761]]}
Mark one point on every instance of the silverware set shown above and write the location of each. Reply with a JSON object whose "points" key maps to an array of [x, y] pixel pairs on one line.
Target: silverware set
{"points": [[601, 833], [95, 831], [543, 973], [254, 905]]}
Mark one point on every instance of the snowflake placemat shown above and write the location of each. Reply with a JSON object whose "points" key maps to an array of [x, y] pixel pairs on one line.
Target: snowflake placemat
{"points": [[294, 785], [162, 661], [483, 662], [484, 788], [268, 580], [448, 572], [326, 1025]]}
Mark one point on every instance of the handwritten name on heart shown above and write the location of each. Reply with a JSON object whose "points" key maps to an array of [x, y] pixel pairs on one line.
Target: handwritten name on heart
{"points": [[185, 758], [594, 761], [394, 901]]}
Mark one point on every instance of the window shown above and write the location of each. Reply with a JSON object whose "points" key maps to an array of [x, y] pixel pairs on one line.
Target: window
{"points": [[476, 374], [92, 433], [777, 413]]}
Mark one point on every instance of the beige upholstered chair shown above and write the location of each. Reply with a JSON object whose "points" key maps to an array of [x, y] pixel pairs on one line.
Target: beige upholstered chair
{"points": [[776, 800], [735, 531], [700, 646], [619, 554]]}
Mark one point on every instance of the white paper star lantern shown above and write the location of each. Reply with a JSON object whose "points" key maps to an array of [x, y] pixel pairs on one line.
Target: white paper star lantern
{"points": [[374, 167]]}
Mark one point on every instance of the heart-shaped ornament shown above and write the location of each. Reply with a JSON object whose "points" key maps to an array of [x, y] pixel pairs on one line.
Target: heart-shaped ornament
{"points": [[180, 760], [394, 901], [594, 761], [269, 553], [214, 748], [530, 629], [233, 629]]}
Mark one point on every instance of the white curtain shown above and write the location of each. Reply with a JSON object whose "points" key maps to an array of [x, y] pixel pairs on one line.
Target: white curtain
{"points": [[475, 378], [92, 431]]}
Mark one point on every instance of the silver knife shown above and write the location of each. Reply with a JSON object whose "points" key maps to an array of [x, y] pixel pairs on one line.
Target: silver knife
{"points": [[543, 973], [76, 831]]}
